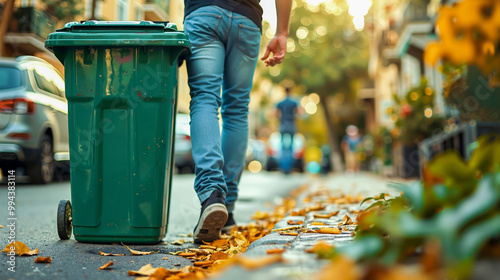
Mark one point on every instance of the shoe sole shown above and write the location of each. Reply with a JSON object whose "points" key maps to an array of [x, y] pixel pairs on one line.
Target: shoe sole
{"points": [[210, 224]]}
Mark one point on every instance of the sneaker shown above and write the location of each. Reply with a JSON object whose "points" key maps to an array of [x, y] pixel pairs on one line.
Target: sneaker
{"points": [[229, 224], [212, 218]]}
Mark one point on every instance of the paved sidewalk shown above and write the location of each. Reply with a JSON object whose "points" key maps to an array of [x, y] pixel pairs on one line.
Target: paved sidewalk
{"points": [[340, 193]]}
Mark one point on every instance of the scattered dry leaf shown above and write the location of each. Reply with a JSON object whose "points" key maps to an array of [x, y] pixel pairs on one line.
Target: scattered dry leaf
{"points": [[165, 258], [256, 263], [275, 251], [1, 226], [327, 230], [208, 247], [219, 256], [288, 233], [178, 242], [286, 229], [301, 212], [322, 249], [187, 254], [109, 254], [204, 263], [135, 252], [260, 215], [20, 249], [318, 224], [145, 270], [219, 243], [340, 266], [106, 266], [290, 222], [355, 211], [346, 221], [316, 207], [353, 233], [326, 216], [43, 260]]}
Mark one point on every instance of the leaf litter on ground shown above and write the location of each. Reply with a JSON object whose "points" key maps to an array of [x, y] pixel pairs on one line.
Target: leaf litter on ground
{"points": [[19, 249]]}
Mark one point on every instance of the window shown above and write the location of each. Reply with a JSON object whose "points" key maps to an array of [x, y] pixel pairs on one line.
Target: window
{"points": [[122, 9], [44, 79], [13, 77]]}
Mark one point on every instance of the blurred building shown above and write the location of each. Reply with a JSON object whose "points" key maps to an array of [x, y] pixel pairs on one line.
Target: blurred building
{"points": [[30, 23], [400, 31]]}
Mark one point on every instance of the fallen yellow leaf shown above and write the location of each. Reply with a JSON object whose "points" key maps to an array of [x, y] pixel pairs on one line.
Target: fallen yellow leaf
{"points": [[346, 221], [256, 263], [43, 260], [219, 256], [290, 222], [288, 233], [326, 216], [20, 249], [204, 263], [135, 252], [146, 270], [318, 224], [106, 265], [1, 226], [178, 242], [187, 254], [340, 266], [160, 273], [109, 254], [275, 251], [329, 230]]}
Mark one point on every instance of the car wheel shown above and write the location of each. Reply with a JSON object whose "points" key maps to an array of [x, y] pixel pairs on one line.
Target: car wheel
{"points": [[42, 170]]}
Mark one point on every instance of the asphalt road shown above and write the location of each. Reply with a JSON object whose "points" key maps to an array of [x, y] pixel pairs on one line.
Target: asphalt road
{"points": [[36, 207]]}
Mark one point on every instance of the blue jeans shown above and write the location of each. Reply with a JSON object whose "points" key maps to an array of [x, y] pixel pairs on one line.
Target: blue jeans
{"points": [[225, 49]]}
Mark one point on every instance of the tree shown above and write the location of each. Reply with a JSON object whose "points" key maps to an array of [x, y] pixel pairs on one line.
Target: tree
{"points": [[64, 10], [326, 55], [7, 11]]}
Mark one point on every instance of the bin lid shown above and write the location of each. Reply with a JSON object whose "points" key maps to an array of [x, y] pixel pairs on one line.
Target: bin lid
{"points": [[117, 33]]}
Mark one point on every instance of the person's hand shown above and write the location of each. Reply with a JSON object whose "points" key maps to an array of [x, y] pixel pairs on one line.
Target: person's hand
{"points": [[277, 46]]}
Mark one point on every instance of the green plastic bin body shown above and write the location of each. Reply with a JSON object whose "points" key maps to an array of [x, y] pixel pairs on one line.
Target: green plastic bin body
{"points": [[121, 87]]}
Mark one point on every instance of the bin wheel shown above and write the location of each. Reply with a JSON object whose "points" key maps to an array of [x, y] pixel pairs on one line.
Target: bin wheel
{"points": [[64, 220]]}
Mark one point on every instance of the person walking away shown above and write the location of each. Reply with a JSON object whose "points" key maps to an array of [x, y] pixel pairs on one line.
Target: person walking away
{"points": [[349, 144], [225, 41], [287, 109]]}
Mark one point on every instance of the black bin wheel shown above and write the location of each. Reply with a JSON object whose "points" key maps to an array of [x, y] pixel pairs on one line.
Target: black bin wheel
{"points": [[64, 220]]}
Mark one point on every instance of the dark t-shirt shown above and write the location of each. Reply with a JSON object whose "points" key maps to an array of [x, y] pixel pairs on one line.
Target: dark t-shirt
{"points": [[287, 108], [249, 8]]}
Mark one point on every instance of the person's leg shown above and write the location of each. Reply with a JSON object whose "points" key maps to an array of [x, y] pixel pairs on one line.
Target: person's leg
{"points": [[205, 71], [242, 52]]}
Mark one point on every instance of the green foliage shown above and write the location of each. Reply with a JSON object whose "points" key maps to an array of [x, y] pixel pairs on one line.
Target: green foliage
{"points": [[325, 52], [461, 211], [64, 10], [413, 121]]}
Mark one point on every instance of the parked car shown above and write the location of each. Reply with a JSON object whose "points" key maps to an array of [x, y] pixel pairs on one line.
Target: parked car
{"points": [[182, 150], [274, 149], [33, 118]]}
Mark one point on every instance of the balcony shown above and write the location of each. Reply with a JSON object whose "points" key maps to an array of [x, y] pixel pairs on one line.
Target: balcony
{"points": [[156, 10], [416, 27], [28, 30]]}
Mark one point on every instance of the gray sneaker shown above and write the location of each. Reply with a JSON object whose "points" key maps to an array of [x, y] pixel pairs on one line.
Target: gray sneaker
{"points": [[212, 218]]}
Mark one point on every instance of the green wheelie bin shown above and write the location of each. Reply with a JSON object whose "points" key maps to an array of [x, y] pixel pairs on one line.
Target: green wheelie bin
{"points": [[121, 87]]}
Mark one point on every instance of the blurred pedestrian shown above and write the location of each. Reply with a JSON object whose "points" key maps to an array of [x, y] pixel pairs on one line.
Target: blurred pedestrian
{"points": [[286, 111], [225, 40], [349, 145]]}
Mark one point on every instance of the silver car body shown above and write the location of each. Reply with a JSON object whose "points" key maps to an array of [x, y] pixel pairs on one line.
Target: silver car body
{"points": [[22, 130]]}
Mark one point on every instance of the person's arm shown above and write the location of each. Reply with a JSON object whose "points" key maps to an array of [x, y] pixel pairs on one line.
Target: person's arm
{"points": [[277, 45]]}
